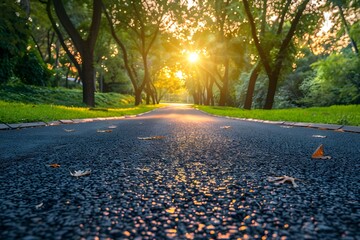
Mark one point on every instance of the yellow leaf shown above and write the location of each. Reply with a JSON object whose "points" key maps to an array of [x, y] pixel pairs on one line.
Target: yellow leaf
{"points": [[54, 165]]}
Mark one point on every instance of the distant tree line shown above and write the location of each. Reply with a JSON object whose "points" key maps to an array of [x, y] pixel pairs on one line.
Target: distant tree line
{"points": [[252, 53]]}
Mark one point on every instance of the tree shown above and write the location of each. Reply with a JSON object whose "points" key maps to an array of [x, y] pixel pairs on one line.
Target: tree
{"points": [[14, 35], [82, 40], [166, 81], [337, 81], [142, 21], [272, 61]]}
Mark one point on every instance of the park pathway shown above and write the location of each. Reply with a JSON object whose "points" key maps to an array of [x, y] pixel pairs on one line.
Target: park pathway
{"points": [[177, 173]]}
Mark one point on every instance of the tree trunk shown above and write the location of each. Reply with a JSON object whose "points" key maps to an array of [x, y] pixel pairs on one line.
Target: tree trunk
{"points": [[138, 98], [87, 77], [251, 86], [347, 29], [224, 91], [271, 92]]}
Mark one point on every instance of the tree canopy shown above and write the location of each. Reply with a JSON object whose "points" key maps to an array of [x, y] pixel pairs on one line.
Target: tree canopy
{"points": [[245, 53]]}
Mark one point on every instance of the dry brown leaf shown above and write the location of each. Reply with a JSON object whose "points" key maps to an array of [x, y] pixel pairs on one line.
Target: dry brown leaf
{"points": [[54, 165], [225, 127], [104, 131], [80, 173], [319, 153], [318, 136], [283, 179], [151, 138], [69, 130]]}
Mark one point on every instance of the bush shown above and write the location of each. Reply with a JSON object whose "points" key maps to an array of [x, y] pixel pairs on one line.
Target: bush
{"points": [[337, 81], [32, 70]]}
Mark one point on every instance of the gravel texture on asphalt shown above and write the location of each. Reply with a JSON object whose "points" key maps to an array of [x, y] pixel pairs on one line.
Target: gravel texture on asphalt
{"points": [[202, 180]]}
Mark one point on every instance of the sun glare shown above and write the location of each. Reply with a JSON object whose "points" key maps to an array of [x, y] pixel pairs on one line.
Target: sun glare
{"points": [[193, 57], [179, 74]]}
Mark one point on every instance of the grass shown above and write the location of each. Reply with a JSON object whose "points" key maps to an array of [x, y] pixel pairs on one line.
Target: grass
{"points": [[59, 96], [25, 103], [22, 112], [342, 115]]}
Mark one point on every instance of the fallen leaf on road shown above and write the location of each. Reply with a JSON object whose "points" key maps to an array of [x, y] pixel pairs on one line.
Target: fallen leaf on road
{"points": [[69, 130], [171, 210], [225, 127], [318, 136], [54, 165], [319, 153], [104, 131], [143, 169], [80, 173], [151, 138], [283, 179], [39, 205], [112, 126]]}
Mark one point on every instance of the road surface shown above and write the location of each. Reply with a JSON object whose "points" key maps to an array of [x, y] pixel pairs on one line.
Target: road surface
{"points": [[201, 177]]}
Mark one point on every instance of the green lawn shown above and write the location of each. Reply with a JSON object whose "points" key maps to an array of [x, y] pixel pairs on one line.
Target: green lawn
{"points": [[59, 96], [343, 115], [26, 103], [21, 112]]}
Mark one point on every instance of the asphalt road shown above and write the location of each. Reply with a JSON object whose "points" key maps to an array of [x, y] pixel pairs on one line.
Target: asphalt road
{"points": [[199, 180]]}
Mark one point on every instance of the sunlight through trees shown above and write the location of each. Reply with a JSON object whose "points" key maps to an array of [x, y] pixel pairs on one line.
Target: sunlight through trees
{"points": [[248, 53]]}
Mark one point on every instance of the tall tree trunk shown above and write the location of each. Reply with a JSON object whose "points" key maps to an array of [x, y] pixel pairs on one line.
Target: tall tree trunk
{"points": [[224, 91], [88, 80], [251, 86], [347, 29], [270, 96], [138, 98]]}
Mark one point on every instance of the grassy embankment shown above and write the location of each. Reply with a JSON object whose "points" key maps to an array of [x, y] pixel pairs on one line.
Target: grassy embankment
{"points": [[23, 103], [343, 115]]}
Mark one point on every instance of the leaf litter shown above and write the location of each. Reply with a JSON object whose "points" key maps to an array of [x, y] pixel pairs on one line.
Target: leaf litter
{"points": [[151, 138], [104, 131], [80, 173], [283, 179], [318, 136], [225, 127], [39, 205], [319, 153], [54, 165], [69, 130]]}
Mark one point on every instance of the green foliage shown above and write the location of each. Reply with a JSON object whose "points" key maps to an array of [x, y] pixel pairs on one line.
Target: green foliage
{"points": [[337, 81], [14, 34], [32, 70], [349, 115], [290, 93], [18, 92]]}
